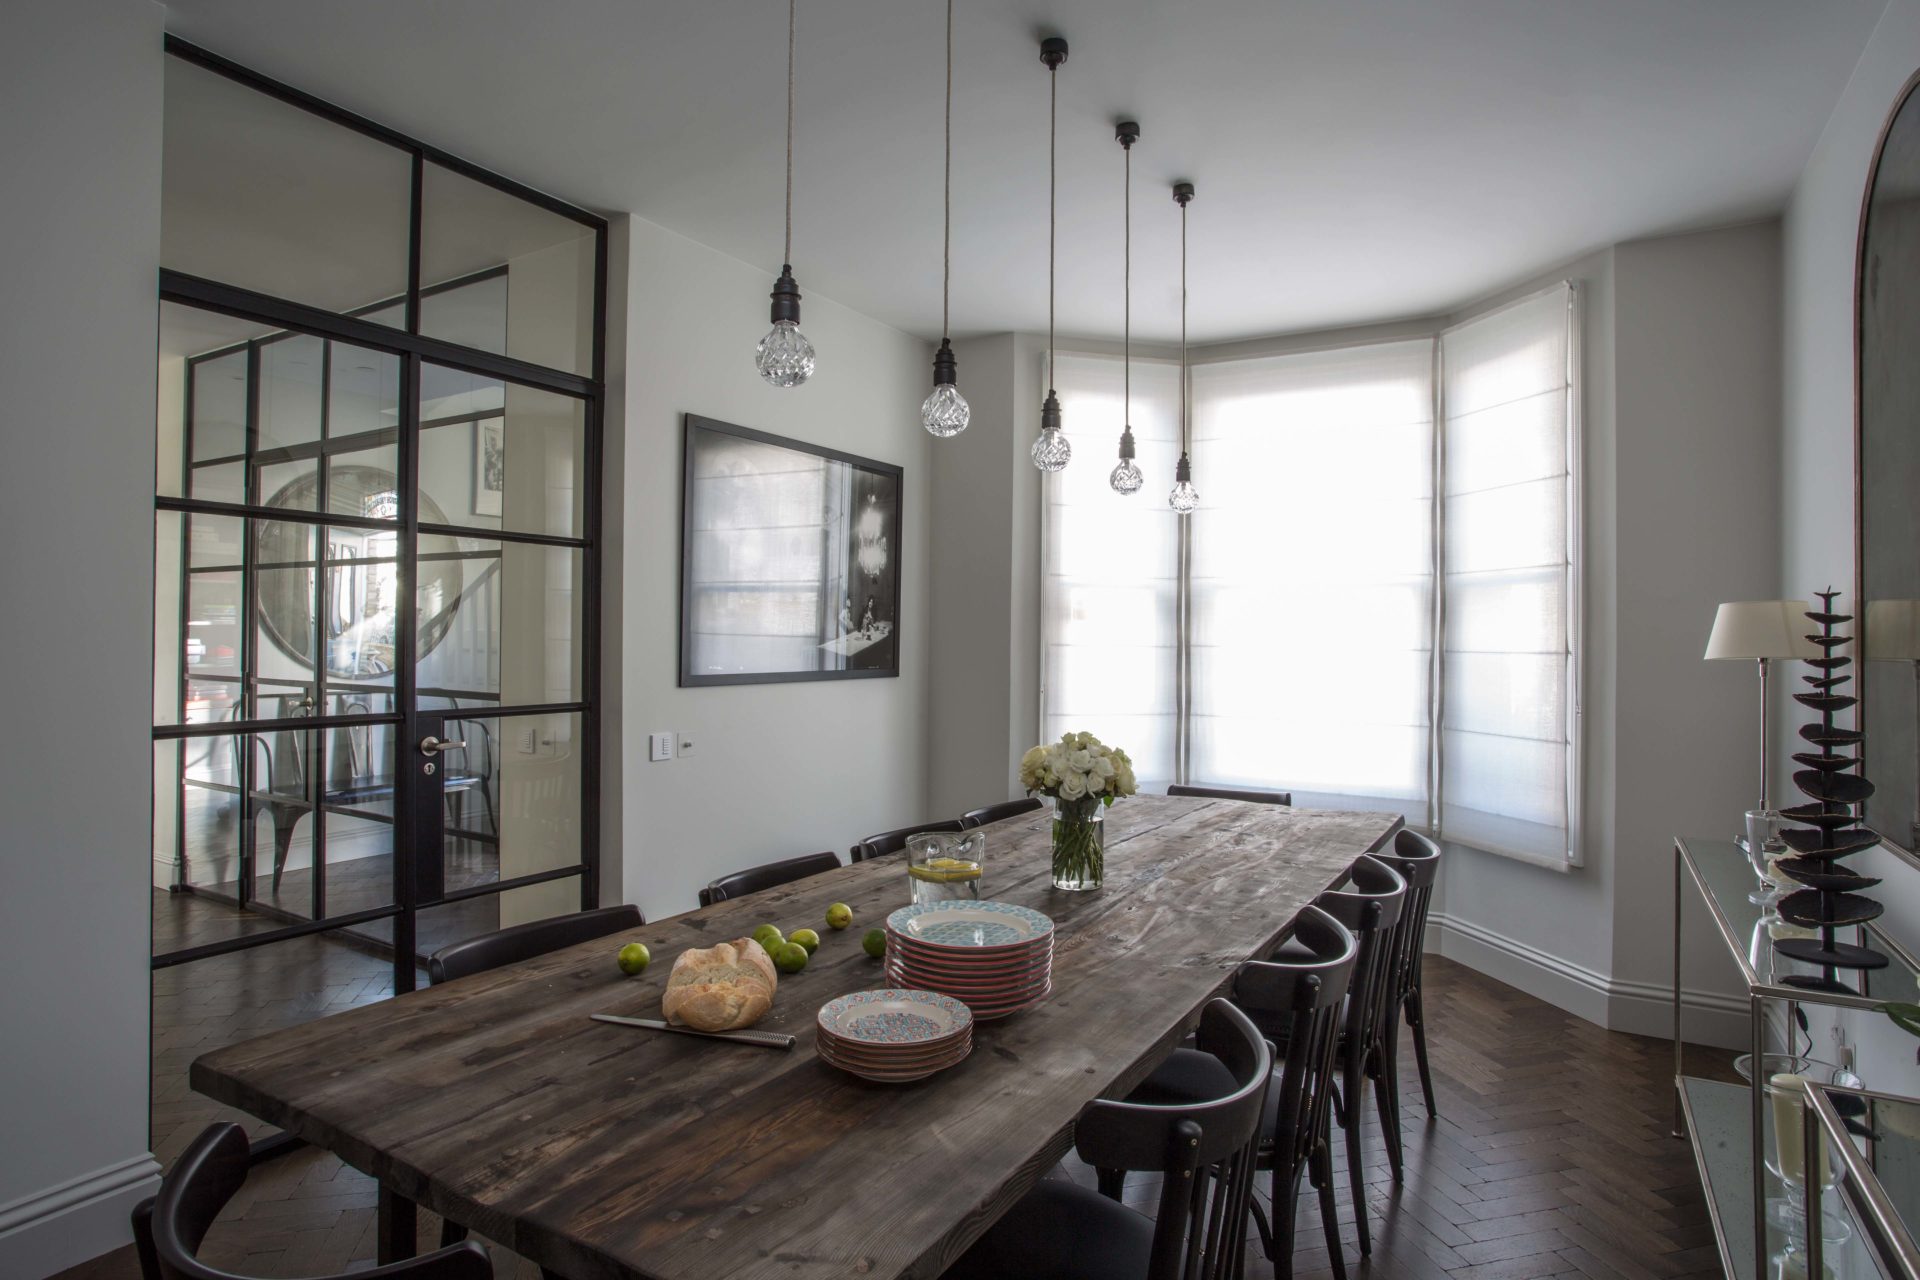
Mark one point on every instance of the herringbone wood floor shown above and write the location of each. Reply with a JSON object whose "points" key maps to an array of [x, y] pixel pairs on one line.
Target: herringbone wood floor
{"points": [[1550, 1157]]}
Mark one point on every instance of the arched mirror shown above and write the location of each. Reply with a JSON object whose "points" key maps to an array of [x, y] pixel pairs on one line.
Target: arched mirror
{"points": [[1887, 476]]}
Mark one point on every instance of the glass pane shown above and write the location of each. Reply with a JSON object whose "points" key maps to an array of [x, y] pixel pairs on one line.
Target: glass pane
{"points": [[292, 370], [521, 277], [219, 414], [499, 622], [499, 455], [363, 414], [363, 602], [247, 179], [285, 625]]}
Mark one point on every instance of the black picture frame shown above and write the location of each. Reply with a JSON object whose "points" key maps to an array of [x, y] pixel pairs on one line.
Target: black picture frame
{"points": [[862, 642]]}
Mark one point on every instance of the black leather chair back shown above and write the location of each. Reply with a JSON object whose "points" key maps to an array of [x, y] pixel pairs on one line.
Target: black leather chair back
{"points": [[1372, 906], [168, 1228], [996, 812], [894, 841], [525, 941], [1417, 859], [767, 876], [1232, 793], [1200, 1230]]}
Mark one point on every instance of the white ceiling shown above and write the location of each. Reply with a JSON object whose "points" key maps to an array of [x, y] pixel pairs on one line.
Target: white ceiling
{"points": [[1354, 161]]}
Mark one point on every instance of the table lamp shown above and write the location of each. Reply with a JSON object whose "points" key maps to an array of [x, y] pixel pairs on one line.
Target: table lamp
{"points": [[1893, 635], [1760, 631]]}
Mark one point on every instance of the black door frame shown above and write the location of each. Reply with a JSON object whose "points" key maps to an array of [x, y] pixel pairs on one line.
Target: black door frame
{"points": [[416, 806]]}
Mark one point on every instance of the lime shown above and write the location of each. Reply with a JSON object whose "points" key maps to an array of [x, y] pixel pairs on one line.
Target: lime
{"points": [[768, 936], [839, 916], [634, 958], [875, 943], [806, 938], [791, 957]]}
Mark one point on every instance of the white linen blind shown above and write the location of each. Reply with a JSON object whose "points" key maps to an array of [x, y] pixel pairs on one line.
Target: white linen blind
{"points": [[1509, 731], [1111, 568], [1312, 576]]}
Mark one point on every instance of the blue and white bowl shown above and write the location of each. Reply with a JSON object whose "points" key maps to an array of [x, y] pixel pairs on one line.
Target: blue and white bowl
{"points": [[896, 1019]]}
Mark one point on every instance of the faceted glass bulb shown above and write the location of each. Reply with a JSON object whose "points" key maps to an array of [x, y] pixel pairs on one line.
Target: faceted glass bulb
{"points": [[946, 412], [1126, 477], [1184, 498], [784, 357], [1051, 450]]}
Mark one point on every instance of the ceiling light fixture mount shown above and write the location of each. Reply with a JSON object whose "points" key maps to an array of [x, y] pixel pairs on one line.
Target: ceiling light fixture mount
{"points": [[1051, 451], [1126, 477], [1184, 497]]}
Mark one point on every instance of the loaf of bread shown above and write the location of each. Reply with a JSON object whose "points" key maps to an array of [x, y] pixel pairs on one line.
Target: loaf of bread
{"points": [[720, 988]]}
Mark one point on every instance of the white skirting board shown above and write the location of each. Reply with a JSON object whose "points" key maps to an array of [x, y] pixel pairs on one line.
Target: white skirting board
{"points": [[65, 1225], [1710, 1017]]}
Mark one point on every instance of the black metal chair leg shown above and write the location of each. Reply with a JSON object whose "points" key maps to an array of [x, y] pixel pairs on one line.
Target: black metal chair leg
{"points": [[1386, 1099], [1320, 1164], [1356, 1169], [1112, 1182], [1418, 1026], [1286, 1197]]}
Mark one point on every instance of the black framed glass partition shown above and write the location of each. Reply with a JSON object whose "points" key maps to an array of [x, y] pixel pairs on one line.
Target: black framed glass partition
{"points": [[376, 562]]}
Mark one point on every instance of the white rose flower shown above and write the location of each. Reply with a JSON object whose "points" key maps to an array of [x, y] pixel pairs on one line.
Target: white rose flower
{"points": [[1073, 786], [1080, 761], [1103, 767]]}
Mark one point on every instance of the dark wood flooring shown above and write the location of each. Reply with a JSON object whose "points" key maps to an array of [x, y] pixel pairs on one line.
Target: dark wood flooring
{"points": [[1550, 1157]]}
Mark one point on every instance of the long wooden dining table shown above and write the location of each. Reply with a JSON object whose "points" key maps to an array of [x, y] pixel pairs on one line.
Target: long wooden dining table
{"points": [[602, 1151]]}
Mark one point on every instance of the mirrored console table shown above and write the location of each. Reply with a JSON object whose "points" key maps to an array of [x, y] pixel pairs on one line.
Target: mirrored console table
{"points": [[1868, 1145], [1731, 1126]]}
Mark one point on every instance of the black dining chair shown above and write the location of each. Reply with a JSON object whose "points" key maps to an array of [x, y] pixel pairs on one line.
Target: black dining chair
{"points": [[1371, 905], [997, 812], [168, 1228], [894, 841], [1295, 1002], [1204, 1151], [768, 876], [525, 941], [1417, 859], [1232, 793]]}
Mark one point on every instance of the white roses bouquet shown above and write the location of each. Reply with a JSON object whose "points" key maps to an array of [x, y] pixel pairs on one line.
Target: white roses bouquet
{"points": [[1083, 775]]}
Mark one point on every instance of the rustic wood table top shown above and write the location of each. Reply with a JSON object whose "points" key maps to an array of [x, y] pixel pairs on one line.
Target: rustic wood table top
{"points": [[608, 1151]]}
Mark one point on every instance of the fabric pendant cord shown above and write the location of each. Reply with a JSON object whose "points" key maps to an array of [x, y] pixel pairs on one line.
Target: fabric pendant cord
{"points": [[784, 357], [1126, 477], [1184, 497], [946, 412], [1051, 451]]}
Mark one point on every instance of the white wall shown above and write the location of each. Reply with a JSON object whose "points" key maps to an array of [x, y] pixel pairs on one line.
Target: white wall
{"points": [[80, 210], [779, 769], [1821, 228]]}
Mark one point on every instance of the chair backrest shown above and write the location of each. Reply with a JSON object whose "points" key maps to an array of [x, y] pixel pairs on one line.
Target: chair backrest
{"points": [[169, 1227], [894, 841], [996, 812], [525, 941], [1296, 1001], [1200, 1230], [754, 879], [1417, 859], [1232, 793], [1372, 906]]}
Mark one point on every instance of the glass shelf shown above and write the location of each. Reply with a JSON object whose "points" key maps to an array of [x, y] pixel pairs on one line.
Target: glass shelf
{"points": [[1724, 877], [1880, 1167]]}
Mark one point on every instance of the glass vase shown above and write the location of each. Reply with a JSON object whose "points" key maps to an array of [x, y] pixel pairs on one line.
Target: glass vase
{"points": [[1079, 843]]}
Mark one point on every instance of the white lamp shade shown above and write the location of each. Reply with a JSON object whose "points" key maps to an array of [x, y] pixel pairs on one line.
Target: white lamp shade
{"points": [[1893, 630], [1753, 629]]}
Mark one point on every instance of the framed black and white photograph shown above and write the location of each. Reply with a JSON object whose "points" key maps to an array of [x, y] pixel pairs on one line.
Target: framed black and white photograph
{"points": [[789, 560], [489, 465]]}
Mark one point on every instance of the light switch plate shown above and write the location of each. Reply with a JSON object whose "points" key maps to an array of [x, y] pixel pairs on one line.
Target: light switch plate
{"points": [[686, 744], [662, 746]]}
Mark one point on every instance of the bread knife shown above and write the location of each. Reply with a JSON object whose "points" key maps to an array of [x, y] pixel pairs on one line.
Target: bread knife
{"points": [[764, 1039]]}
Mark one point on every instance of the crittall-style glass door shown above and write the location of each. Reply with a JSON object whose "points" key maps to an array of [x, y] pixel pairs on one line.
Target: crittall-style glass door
{"points": [[376, 564]]}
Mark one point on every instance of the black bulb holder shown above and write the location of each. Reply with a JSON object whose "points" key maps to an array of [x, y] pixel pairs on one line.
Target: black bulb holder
{"points": [[1183, 470], [946, 370], [1126, 133], [786, 296], [1050, 412], [1182, 193], [1126, 443]]}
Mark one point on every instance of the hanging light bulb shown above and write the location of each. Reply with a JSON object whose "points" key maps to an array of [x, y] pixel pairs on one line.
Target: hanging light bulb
{"points": [[1126, 477], [785, 357], [1184, 497], [1051, 451], [946, 412]]}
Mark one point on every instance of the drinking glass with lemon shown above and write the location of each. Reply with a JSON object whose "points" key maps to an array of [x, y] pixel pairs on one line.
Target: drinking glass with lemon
{"points": [[944, 866]]}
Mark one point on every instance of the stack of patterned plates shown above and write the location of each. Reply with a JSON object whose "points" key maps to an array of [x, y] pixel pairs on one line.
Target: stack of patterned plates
{"points": [[994, 956], [894, 1036]]}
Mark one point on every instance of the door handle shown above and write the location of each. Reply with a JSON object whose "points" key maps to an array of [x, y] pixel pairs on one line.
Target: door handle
{"points": [[432, 746]]}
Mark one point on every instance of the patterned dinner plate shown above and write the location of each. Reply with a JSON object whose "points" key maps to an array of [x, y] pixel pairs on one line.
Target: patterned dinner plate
{"points": [[970, 926], [892, 1058], [895, 1016], [895, 1075], [1012, 966], [966, 989]]}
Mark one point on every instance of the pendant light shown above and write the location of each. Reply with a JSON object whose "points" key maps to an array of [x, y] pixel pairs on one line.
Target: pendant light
{"points": [[1184, 497], [1126, 477], [946, 412], [1050, 449], [785, 357]]}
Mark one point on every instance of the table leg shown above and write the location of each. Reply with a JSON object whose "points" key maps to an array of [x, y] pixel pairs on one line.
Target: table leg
{"points": [[398, 1228], [1677, 1065], [1756, 1138]]}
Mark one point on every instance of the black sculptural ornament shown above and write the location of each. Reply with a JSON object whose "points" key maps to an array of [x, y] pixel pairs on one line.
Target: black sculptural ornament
{"points": [[1832, 898]]}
